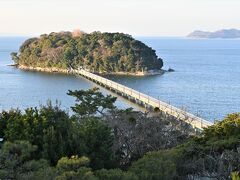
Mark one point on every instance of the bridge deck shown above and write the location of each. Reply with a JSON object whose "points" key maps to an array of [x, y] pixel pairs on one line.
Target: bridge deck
{"points": [[195, 121]]}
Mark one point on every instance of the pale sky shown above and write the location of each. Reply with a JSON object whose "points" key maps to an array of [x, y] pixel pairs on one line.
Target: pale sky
{"points": [[135, 17]]}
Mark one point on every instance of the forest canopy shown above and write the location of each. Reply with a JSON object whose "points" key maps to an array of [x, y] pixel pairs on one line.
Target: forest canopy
{"points": [[106, 143], [97, 52]]}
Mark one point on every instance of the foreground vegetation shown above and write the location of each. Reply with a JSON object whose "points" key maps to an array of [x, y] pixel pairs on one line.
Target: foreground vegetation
{"points": [[101, 142], [98, 52]]}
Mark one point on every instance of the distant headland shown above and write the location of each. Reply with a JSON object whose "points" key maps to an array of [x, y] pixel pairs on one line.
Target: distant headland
{"points": [[103, 53], [225, 34]]}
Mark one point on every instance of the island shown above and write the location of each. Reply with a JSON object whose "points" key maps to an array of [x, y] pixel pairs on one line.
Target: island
{"points": [[224, 34], [103, 53]]}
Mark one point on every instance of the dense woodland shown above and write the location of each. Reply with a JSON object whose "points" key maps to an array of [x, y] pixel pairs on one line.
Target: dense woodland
{"points": [[98, 52], [100, 142]]}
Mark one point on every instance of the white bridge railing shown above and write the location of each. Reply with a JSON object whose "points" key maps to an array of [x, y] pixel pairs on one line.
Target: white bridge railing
{"points": [[195, 121]]}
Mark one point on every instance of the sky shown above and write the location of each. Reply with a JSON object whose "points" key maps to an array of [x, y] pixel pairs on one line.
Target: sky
{"points": [[135, 17]]}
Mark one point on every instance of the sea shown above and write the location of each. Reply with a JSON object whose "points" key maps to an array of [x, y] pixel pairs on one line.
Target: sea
{"points": [[206, 80]]}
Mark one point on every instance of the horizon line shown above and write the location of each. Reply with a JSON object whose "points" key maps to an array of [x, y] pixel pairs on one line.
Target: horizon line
{"points": [[37, 35]]}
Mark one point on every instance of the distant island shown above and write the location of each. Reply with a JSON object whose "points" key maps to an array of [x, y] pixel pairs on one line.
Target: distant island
{"points": [[225, 34], [104, 53]]}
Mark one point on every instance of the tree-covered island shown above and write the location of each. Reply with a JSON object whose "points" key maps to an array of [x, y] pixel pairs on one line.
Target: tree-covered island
{"points": [[115, 53]]}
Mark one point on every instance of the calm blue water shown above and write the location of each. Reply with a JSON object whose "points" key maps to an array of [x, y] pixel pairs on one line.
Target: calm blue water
{"points": [[206, 80]]}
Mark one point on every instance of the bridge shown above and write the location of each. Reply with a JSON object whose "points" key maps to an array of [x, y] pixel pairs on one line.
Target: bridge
{"points": [[146, 100]]}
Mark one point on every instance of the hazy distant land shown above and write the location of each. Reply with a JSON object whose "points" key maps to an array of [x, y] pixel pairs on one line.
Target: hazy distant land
{"points": [[225, 34]]}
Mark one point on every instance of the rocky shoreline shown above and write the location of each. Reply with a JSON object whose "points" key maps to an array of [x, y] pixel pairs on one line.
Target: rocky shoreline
{"points": [[39, 69], [65, 71], [139, 73]]}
